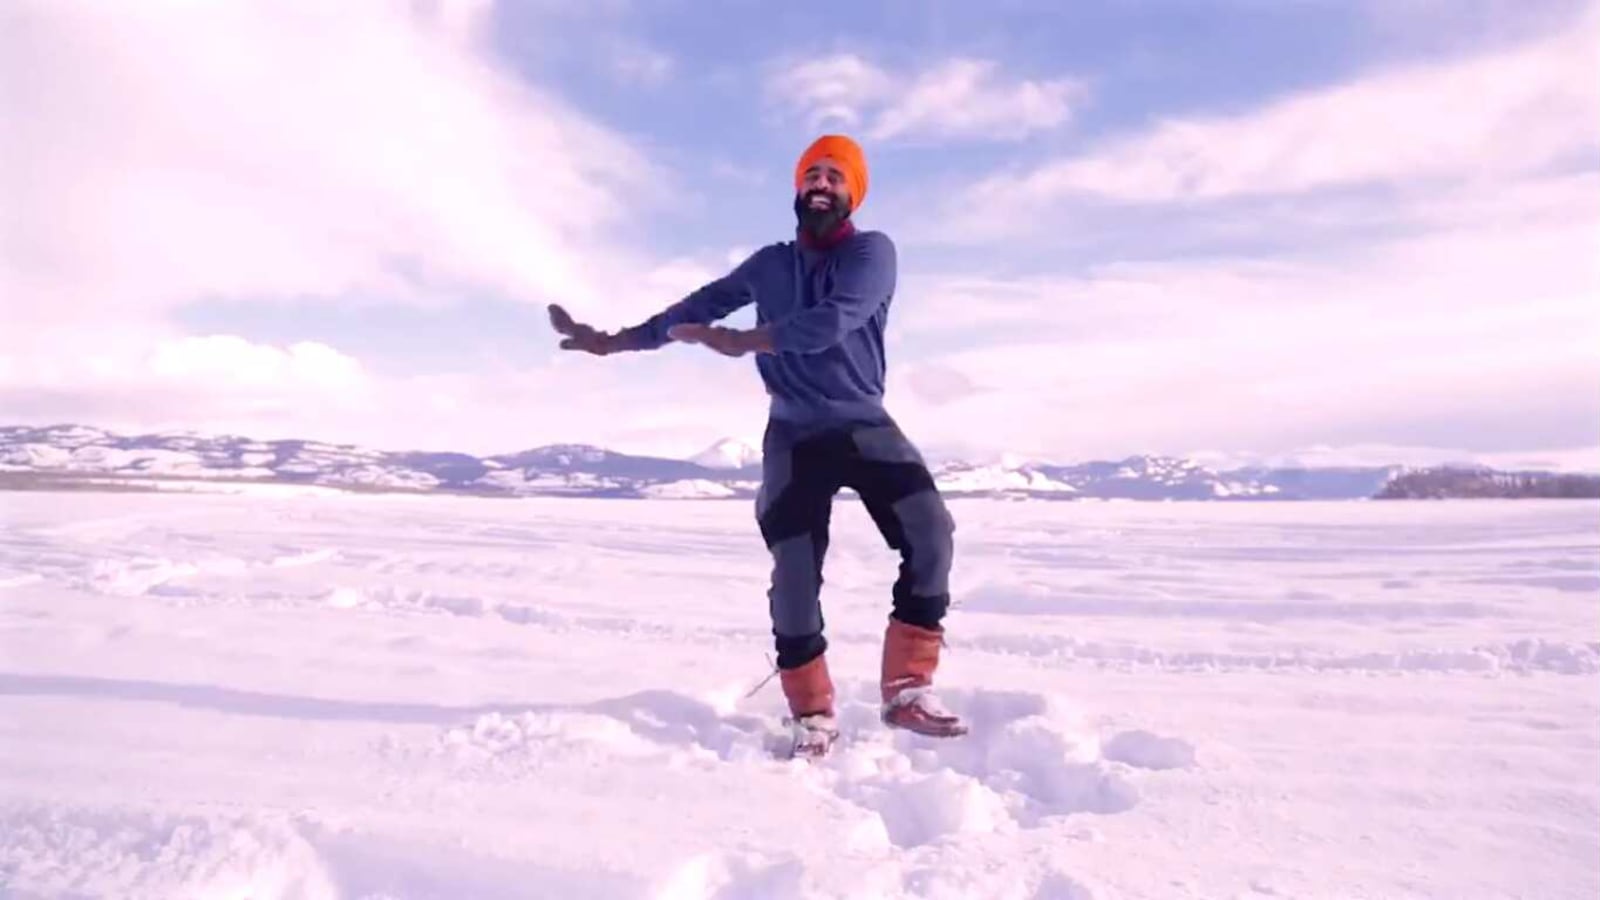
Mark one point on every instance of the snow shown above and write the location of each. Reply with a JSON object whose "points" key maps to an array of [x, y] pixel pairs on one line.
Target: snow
{"points": [[384, 476], [148, 461], [998, 478], [533, 480], [24, 457], [333, 695], [219, 483], [688, 488], [108, 459], [76, 435]]}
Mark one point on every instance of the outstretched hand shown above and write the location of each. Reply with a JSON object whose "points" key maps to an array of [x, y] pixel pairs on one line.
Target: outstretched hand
{"points": [[727, 341], [579, 336]]}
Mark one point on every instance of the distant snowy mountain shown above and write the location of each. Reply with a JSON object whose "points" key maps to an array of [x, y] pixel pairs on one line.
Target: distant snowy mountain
{"points": [[1160, 478], [69, 455], [1483, 482], [728, 454], [76, 455]]}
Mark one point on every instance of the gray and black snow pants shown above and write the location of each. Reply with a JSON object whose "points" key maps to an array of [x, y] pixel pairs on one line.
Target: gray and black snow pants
{"points": [[803, 468]]}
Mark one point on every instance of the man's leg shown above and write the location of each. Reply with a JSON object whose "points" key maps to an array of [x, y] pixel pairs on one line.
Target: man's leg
{"points": [[894, 484], [798, 483], [899, 493]]}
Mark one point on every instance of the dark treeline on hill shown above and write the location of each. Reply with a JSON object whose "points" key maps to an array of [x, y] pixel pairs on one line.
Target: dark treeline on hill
{"points": [[1449, 482]]}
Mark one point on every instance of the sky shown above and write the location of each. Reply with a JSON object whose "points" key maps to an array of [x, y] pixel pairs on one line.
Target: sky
{"points": [[1330, 230]]}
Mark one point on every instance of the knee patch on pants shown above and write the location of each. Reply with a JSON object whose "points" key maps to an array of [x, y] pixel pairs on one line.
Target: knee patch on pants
{"points": [[927, 539], [928, 533], [796, 584]]}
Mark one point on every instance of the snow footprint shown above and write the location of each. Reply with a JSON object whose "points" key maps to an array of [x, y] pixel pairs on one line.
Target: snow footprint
{"points": [[1144, 750], [663, 725], [1026, 760]]}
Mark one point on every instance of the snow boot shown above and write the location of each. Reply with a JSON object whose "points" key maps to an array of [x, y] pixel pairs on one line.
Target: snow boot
{"points": [[809, 690], [910, 656]]}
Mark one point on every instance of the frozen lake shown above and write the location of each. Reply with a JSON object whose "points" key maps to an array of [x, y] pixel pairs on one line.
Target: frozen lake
{"points": [[384, 696]]}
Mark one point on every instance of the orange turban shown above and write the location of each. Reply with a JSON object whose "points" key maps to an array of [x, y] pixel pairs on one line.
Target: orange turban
{"points": [[847, 154]]}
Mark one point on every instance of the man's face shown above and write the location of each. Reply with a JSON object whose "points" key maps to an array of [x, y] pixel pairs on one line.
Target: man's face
{"points": [[823, 188]]}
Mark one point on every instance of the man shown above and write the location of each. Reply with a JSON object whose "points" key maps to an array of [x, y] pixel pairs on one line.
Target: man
{"points": [[822, 301]]}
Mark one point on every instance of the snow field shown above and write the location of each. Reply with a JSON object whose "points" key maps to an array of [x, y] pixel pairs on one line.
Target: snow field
{"points": [[434, 697]]}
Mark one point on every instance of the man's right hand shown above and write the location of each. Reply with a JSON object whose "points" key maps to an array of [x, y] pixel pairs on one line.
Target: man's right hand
{"points": [[583, 337]]}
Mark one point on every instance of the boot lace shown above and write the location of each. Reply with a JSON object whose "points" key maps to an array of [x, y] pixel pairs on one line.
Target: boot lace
{"points": [[763, 682]]}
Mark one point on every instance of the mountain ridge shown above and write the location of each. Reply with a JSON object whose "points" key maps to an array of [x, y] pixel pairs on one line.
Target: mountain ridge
{"points": [[76, 455]]}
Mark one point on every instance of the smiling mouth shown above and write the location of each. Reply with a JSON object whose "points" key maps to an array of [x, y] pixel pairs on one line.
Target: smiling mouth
{"points": [[819, 201]]}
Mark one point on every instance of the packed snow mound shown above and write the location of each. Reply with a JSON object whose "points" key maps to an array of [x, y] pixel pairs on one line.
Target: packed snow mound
{"points": [[1029, 760], [96, 853]]}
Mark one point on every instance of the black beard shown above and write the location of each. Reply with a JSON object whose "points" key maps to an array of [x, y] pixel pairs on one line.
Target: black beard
{"points": [[819, 222]]}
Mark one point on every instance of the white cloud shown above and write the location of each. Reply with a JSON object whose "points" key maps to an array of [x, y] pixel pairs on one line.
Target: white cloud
{"points": [[1473, 334], [956, 99], [636, 63], [831, 91], [229, 362], [162, 153], [352, 151], [966, 98], [1408, 259], [150, 377], [1479, 118], [224, 383]]}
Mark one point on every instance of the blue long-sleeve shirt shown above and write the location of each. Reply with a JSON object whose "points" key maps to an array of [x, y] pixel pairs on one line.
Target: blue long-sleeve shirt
{"points": [[826, 311]]}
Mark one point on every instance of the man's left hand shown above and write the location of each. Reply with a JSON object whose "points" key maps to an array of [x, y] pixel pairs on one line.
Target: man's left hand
{"points": [[727, 341]]}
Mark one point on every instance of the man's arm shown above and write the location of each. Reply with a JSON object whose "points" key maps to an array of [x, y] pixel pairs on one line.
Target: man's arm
{"points": [[862, 285], [714, 300], [710, 302]]}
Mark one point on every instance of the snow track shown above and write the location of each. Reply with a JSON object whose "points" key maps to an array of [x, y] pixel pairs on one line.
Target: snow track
{"points": [[400, 697]]}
